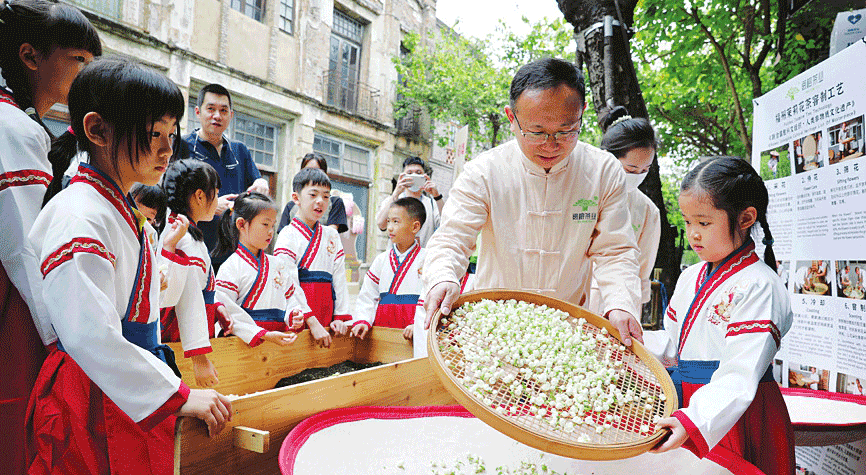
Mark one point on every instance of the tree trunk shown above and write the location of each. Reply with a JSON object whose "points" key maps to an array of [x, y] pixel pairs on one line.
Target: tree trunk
{"points": [[583, 14]]}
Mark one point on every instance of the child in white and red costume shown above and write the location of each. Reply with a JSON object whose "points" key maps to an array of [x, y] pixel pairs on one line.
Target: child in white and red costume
{"points": [[390, 294], [724, 325]]}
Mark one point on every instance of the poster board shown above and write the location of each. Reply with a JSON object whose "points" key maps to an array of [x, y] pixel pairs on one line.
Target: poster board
{"points": [[809, 145]]}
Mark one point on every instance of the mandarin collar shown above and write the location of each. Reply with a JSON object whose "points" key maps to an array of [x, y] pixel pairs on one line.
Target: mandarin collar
{"points": [[534, 169]]}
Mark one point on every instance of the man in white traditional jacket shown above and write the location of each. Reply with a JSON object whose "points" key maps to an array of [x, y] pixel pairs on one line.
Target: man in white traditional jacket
{"points": [[547, 206]]}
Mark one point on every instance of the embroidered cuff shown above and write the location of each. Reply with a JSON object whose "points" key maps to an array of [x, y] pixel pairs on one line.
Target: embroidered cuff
{"points": [[360, 322], [174, 403], [344, 318], [176, 257]]}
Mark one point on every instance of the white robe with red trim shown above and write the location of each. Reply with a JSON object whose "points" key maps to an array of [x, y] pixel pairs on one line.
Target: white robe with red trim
{"points": [[383, 277], [188, 272], [87, 241], [240, 285], [325, 255], [24, 176], [738, 319]]}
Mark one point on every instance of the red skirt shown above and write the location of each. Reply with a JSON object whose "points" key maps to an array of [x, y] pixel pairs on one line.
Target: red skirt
{"points": [[73, 428], [395, 315], [320, 298], [762, 439], [22, 353], [168, 323]]}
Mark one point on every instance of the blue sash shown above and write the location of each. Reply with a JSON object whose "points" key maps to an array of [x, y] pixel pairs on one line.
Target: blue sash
{"points": [[267, 315], [208, 296], [386, 298], [308, 276], [701, 372]]}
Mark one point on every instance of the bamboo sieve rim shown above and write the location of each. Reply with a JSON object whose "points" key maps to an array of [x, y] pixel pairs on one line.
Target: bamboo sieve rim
{"points": [[536, 435]]}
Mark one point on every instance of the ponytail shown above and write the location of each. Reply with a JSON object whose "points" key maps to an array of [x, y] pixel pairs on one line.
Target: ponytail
{"points": [[769, 255], [181, 180], [247, 205], [227, 238], [63, 148]]}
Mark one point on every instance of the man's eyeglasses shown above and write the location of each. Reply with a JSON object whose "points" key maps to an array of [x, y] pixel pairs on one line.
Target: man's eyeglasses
{"points": [[538, 138]]}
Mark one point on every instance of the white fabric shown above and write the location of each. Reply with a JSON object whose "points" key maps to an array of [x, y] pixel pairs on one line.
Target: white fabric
{"points": [[24, 146], [374, 446], [330, 258], [382, 271], [282, 290], [753, 294], [541, 232], [431, 208], [646, 223], [88, 295], [186, 280]]}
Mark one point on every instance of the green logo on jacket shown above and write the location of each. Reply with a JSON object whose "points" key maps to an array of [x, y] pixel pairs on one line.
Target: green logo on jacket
{"points": [[585, 203]]}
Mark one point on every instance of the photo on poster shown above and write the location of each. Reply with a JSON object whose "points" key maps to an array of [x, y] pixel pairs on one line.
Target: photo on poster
{"points": [[848, 384], [809, 152], [846, 140], [803, 471], [808, 377], [775, 163], [810, 277], [783, 268], [851, 279]]}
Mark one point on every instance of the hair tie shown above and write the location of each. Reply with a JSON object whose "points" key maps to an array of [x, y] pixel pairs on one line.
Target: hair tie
{"points": [[69, 129], [767, 242], [620, 120]]}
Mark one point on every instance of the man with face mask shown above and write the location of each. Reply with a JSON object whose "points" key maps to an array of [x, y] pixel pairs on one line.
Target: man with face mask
{"points": [[551, 210]]}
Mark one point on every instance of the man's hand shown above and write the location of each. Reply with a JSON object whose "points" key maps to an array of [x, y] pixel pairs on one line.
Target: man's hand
{"points": [[440, 297], [404, 181], [260, 186], [224, 202], [627, 325], [430, 188], [175, 231]]}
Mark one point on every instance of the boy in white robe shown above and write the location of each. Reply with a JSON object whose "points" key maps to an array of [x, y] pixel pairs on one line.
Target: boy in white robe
{"points": [[390, 294], [316, 251]]}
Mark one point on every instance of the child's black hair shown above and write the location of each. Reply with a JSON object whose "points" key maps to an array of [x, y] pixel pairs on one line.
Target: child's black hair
{"points": [[152, 197], [414, 208], [733, 185], [45, 26], [620, 136], [310, 176], [128, 96], [247, 205], [182, 179]]}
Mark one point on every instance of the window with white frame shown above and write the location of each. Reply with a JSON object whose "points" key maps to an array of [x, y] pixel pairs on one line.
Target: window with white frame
{"points": [[254, 9], [344, 158], [259, 136], [287, 15]]}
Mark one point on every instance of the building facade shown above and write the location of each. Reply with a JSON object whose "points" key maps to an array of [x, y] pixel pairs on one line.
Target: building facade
{"points": [[305, 75]]}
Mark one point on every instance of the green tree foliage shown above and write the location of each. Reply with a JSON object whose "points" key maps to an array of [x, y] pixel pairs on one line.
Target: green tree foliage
{"points": [[702, 62], [467, 80], [455, 78]]}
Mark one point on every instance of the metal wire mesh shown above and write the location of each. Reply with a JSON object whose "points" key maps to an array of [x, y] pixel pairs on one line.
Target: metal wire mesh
{"points": [[629, 423]]}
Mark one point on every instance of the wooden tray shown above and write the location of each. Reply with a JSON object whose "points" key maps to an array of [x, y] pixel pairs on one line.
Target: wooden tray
{"points": [[644, 373]]}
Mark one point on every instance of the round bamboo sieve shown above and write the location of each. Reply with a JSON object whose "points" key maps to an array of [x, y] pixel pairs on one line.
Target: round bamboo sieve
{"points": [[516, 420]]}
